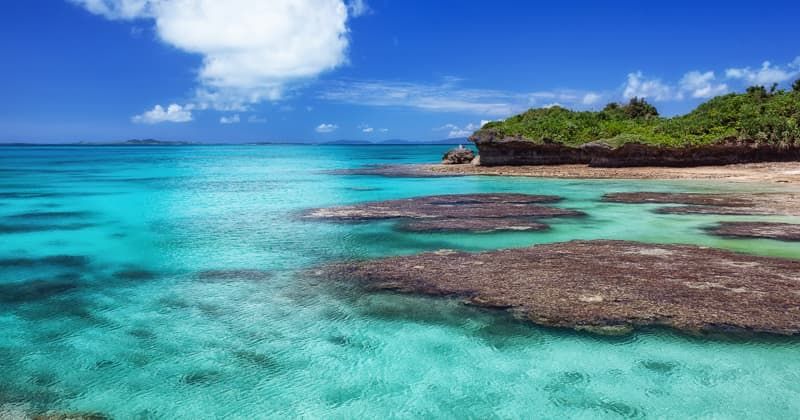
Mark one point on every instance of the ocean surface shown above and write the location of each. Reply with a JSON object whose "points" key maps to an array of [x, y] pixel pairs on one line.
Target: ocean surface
{"points": [[168, 282]]}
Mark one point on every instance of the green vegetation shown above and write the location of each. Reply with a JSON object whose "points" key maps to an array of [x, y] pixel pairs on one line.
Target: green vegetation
{"points": [[761, 115]]}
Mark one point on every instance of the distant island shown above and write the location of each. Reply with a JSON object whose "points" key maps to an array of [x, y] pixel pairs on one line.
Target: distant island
{"points": [[759, 125]]}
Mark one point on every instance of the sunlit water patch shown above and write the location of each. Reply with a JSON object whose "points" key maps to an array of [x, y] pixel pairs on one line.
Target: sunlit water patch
{"points": [[160, 282]]}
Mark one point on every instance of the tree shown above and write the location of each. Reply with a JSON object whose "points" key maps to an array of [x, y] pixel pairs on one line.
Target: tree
{"points": [[796, 85], [639, 108], [758, 92]]}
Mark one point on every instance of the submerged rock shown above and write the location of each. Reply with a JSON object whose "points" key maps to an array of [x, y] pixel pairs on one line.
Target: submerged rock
{"points": [[230, 275], [603, 286], [758, 230], [444, 206], [476, 225], [72, 416], [458, 156], [722, 204]]}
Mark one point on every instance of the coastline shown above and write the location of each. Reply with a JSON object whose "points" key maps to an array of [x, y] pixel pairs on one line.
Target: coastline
{"points": [[773, 172]]}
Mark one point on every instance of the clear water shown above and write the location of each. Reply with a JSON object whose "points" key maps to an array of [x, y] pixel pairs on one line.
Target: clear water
{"points": [[160, 341]]}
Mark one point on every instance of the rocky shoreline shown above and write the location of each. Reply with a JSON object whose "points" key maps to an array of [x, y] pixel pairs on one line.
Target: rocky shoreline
{"points": [[603, 286], [497, 150]]}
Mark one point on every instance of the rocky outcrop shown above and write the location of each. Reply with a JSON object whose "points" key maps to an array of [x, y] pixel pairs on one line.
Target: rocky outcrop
{"points": [[757, 230], [603, 286], [458, 156], [499, 150], [457, 212]]}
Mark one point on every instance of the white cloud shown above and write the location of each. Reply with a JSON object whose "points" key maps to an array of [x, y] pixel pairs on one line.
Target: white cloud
{"points": [[641, 87], [326, 128], [252, 50], [384, 130], [358, 8], [484, 122], [591, 98], [455, 131], [255, 119], [701, 85], [367, 130], [553, 104], [767, 74], [173, 113], [233, 119], [443, 97]]}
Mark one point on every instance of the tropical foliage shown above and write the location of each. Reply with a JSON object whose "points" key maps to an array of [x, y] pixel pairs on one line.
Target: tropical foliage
{"points": [[759, 114]]}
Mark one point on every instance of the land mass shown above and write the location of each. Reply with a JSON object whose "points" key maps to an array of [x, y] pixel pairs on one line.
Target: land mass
{"points": [[755, 126]]}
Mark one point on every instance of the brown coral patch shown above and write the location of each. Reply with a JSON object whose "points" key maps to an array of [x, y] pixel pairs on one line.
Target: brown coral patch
{"points": [[476, 225], [721, 204], [757, 230], [447, 206], [603, 286]]}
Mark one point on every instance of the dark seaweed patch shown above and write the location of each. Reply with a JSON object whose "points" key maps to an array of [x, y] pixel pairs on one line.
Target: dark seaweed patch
{"points": [[29, 228], [135, 274], [201, 377], [69, 261], [257, 359], [45, 215], [142, 333], [35, 290], [658, 366]]}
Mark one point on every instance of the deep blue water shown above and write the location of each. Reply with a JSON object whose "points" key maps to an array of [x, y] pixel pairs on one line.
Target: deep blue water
{"points": [[167, 282]]}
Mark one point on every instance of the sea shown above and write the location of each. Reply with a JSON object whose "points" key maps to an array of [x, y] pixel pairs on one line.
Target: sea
{"points": [[172, 282]]}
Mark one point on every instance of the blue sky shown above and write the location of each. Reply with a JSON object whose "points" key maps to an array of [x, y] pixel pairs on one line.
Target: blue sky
{"points": [[316, 70]]}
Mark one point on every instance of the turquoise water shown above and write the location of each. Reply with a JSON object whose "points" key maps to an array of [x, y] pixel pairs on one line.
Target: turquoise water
{"points": [[107, 303]]}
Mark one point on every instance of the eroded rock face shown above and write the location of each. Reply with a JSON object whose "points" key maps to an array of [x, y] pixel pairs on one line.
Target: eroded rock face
{"points": [[499, 150], [721, 204], [603, 286], [458, 156], [454, 212], [757, 230]]}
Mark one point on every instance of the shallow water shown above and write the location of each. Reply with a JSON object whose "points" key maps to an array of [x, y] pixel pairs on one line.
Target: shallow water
{"points": [[167, 282]]}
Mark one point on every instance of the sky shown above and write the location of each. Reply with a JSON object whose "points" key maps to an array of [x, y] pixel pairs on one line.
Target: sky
{"points": [[323, 70]]}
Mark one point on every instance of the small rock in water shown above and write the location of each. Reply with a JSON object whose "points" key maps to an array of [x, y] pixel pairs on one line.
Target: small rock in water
{"points": [[458, 156]]}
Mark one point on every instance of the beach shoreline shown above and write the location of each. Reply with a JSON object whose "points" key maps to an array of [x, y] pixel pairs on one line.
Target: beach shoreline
{"points": [[773, 172]]}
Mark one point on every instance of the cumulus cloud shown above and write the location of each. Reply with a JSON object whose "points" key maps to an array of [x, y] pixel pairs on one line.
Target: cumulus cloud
{"points": [[233, 119], [255, 119], [366, 128], [767, 74], [326, 128], [174, 113], [591, 98], [701, 85], [252, 50], [641, 87], [358, 8], [454, 131]]}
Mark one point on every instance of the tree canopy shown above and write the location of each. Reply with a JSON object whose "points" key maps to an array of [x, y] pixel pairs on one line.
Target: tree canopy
{"points": [[759, 114]]}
